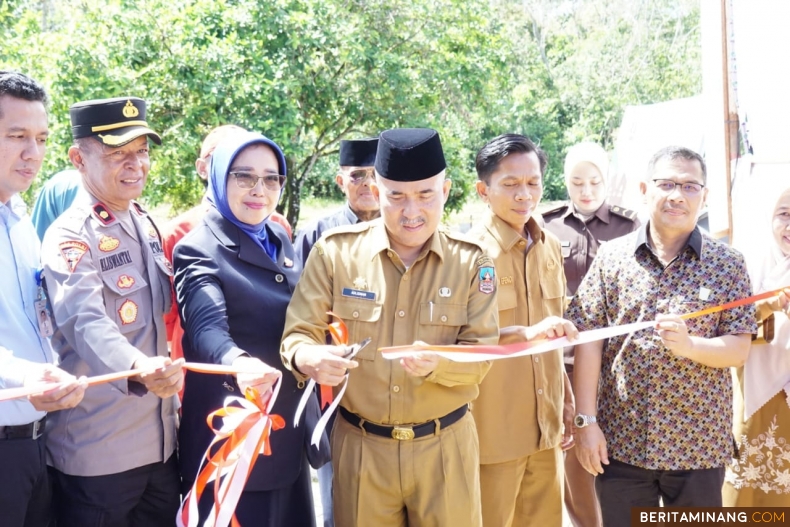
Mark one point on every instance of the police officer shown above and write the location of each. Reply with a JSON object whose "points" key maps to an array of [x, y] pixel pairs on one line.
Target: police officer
{"points": [[113, 456], [355, 179], [404, 448], [582, 225]]}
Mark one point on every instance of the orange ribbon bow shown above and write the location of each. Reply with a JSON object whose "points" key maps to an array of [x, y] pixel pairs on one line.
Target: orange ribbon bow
{"points": [[246, 428]]}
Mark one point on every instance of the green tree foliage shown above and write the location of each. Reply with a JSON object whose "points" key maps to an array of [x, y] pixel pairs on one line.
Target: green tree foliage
{"points": [[308, 73]]}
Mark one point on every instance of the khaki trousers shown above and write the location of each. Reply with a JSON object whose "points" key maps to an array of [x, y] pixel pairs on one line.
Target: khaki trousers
{"points": [[581, 502], [432, 481], [523, 492]]}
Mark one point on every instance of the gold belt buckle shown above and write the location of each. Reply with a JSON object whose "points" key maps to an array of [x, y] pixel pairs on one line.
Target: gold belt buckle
{"points": [[402, 433]]}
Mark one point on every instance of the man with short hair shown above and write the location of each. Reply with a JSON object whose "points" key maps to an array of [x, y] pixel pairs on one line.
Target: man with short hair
{"points": [[25, 353], [113, 456], [525, 409], [355, 179], [404, 447], [655, 406]]}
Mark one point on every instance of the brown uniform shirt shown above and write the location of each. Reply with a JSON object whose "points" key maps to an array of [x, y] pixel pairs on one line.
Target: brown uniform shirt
{"points": [[445, 297], [580, 240], [519, 410]]}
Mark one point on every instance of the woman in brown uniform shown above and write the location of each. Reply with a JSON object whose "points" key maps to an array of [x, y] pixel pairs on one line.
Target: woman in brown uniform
{"points": [[582, 224]]}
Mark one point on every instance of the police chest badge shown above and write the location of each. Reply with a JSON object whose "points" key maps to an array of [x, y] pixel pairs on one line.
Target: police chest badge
{"points": [[125, 281], [485, 277], [128, 312], [72, 252], [360, 283], [108, 243]]}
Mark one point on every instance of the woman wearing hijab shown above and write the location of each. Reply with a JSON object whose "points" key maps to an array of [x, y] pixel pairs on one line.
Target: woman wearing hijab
{"points": [[760, 474], [234, 276], [583, 224]]}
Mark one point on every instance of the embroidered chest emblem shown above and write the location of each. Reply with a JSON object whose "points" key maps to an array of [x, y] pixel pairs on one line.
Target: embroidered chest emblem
{"points": [[445, 292], [360, 283], [125, 281], [108, 243], [128, 312]]}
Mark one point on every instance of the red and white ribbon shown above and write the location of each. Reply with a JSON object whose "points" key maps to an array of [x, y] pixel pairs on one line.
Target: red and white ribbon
{"points": [[459, 353]]}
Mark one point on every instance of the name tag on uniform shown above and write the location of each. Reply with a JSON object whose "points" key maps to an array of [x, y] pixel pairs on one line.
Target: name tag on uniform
{"points": [[356, 293]]}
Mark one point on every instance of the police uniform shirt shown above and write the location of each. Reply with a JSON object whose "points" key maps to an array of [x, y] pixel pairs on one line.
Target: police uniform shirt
{"points": [[446, 296], [580, 239], [109, 286], [519, 410]]}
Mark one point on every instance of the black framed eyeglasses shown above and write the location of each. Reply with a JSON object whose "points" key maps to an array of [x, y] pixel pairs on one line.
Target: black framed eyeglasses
{"points": [[248, 180], [360, 175], [689, 189]]}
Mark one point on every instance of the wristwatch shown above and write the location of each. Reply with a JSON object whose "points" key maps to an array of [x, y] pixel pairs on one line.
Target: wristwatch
{"points": [[581, 420]]}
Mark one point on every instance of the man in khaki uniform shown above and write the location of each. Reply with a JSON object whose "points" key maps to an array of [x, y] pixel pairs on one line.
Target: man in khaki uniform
{"points": [[523, 402], [405, 449]]}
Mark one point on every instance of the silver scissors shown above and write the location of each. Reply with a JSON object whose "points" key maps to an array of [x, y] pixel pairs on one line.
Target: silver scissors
{"points": [[351, 351]]}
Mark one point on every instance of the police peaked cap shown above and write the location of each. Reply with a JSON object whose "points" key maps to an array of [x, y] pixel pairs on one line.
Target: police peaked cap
{"points": [[409, 154], [114, 122]]}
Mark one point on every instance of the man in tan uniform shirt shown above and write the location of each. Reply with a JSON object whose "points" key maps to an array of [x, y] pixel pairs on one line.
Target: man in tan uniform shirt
{"points": [[404, 449], [524, 401]]}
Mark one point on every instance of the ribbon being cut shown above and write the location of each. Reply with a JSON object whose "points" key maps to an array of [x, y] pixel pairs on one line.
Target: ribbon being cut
{"points": [[339, 333], [485, 353], [247, 422]]}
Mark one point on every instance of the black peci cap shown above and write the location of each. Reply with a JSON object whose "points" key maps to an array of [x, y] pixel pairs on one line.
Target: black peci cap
{"points": [[114, 122], [358, 152], [409, 154]]}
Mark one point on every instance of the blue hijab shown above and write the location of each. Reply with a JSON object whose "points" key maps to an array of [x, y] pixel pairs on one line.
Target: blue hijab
{"points": [[221, 161]]}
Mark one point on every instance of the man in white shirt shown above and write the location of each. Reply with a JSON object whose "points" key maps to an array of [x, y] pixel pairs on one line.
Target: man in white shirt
{"points": [[25, 353]]}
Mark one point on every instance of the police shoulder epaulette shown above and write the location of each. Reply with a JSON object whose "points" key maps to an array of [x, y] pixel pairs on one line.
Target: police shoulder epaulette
{"points": [[74, 218], [139, 208], [103, 214], [557, 209], [625, 213]]}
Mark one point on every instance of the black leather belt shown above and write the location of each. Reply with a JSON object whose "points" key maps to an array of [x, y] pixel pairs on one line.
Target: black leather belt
{"points": [[404, 432], [33, 430]]}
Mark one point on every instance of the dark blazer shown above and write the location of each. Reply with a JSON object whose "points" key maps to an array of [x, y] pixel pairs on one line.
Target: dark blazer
{"points": [[232, 299]]}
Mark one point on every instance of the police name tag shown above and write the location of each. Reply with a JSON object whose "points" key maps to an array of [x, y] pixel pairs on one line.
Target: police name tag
{"points": [[356, 293]]}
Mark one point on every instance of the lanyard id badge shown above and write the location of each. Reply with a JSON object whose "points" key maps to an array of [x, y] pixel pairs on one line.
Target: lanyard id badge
{"points": [[42, 309]]}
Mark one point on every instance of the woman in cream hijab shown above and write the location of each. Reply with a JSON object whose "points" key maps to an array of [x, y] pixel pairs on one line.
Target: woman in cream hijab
{"points": [[760, 475]]}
